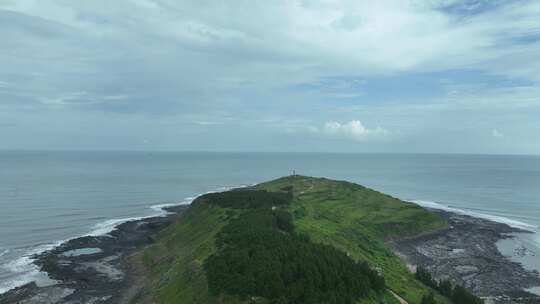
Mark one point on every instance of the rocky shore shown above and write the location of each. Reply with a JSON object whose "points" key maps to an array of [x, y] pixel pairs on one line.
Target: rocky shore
{"points": [[467, 254], [92, 270]]}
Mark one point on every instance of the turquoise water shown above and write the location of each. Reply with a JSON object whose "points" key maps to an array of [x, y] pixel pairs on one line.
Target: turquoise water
{"points": [[48, 197]]}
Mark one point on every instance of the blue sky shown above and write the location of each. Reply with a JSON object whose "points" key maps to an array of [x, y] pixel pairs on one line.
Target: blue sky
{"points": [[442, 76]]}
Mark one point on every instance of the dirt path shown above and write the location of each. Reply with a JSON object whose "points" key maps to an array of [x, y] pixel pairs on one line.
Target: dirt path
{"points": [[400, 299]]}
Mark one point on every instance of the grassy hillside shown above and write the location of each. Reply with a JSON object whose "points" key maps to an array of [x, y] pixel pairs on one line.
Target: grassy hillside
{"points": [[358, 220], [175, 262], [349, 217]]}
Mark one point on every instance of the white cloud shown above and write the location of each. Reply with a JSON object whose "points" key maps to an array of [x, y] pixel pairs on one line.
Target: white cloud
{"points": [[194, 59], [324, 37], [353, 129], [496, 133]]}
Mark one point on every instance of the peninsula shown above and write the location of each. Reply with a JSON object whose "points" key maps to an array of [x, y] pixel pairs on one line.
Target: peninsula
{"points": [[296, 239]]}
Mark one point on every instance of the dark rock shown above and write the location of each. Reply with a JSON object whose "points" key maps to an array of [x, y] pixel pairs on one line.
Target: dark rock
{"points": [[466, 253], [101, 276]]}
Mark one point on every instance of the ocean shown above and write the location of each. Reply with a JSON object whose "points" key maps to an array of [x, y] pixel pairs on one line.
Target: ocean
{"points": [[50, 197]]}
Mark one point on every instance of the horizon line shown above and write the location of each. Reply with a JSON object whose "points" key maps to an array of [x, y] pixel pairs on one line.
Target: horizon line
{"points": [[266, 152]]}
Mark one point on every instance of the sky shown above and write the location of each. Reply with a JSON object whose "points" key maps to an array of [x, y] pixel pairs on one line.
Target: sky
{"points": [[405, 76]]}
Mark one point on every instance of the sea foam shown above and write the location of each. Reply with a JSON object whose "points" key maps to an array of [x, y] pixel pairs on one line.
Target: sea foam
{"points": [[25, 268], [495, 218]]}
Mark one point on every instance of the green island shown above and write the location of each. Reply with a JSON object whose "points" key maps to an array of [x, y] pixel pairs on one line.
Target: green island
{"points": [[295, 239]]}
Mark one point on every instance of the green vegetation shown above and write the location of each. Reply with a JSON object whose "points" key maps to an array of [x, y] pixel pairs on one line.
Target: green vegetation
{"points": [[259, 255], [429, 299], [175, 261], [250, 246], [457, 293], [247, 199], [358, 221]]}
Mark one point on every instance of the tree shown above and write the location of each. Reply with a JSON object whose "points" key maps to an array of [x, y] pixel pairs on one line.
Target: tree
{"points": [[429, 299], [259, 255], [445, 288], [463, 296], [423, 275], [458, 294]]}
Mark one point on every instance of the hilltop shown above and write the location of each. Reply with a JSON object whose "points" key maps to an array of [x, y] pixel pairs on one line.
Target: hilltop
{"points": [[349, 218]]}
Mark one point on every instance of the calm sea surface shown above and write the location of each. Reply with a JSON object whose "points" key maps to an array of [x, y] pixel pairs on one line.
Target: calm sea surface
{"points": [[48, 197]]}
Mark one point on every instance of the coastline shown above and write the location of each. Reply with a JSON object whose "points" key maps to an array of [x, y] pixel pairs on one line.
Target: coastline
{"points": [[92, 269], [100, 269], [125, 235], [33, 273], [467, 253]]}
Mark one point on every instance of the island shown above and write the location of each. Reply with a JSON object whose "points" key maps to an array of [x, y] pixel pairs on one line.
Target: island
{"points": [[296, 239]]}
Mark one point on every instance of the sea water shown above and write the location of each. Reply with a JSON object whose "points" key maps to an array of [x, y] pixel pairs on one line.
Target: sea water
{"points": [[49, 197]]}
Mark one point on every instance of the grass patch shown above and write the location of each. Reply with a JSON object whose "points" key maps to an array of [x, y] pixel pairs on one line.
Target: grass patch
{"points": [[175, 261]]}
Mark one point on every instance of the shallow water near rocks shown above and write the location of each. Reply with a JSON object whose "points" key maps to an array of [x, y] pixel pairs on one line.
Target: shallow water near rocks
{"points": [[535, 290], [522, 248], [82, 251]]}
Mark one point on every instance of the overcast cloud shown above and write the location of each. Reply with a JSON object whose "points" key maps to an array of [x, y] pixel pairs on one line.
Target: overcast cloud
{"points": [[352, 76]]}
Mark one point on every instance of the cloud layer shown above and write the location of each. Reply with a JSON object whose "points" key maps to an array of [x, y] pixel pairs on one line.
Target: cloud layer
{"points": [[118, 71]]}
